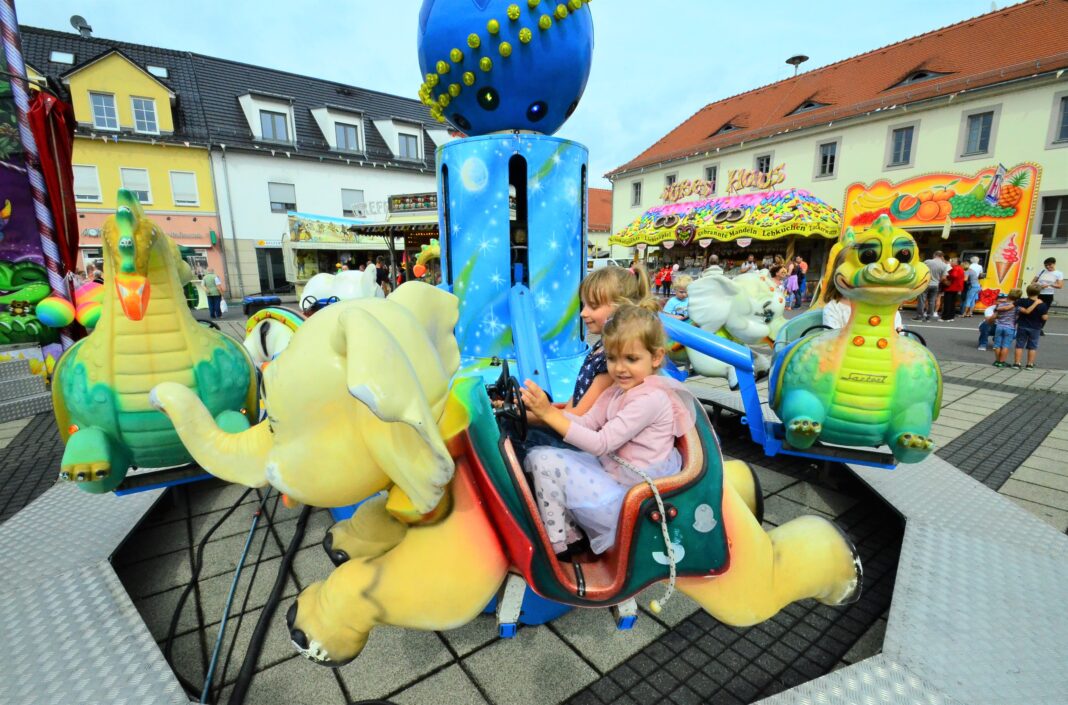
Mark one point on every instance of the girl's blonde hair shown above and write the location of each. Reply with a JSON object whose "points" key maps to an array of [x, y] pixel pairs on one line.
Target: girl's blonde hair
{"points": [[618, 286], [832, 293], [630, 323]]}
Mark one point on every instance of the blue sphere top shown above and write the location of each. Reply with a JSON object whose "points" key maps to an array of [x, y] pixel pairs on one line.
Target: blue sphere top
{"points": [[492, 65]]}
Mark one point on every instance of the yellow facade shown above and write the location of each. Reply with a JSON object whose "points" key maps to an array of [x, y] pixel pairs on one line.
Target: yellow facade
{"points": [[125, 80], [158, 159]]}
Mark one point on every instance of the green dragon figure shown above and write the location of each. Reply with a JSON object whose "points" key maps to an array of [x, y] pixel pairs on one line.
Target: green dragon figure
{"points": [[865, 385], [23, 285], [101, 384]]}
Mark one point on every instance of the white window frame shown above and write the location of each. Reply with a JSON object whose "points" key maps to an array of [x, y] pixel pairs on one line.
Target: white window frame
{"points": [[1060, 102], [771, 162], [356, 128], [271, 202], [915, 125], [96, 176], [704, 175], [148, 181], [174, 191], [401, 134], [816, 175], [158, 71], [962, 138], [285, 119], [133, 114], [114, 107], [61, 57], [347, 213], [635, 193], [1040, 211]]}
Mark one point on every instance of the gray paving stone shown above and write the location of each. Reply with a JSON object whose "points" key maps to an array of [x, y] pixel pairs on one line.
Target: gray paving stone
{"points": [[593, 633], [772, 481], [535, 666], [478, 632], [297, 680], [1046, 464], [153, 542], [868, 645], [393, 658], [778, 510], [1059, 432], [947, 421], [237, 523], [971, 416], [448, 687], [821, 499], [213, 591], [156, 575], [1046, 496], [158, 610], [312, 565], [221, 556], [1056, 518], [1049, 454], [678, 608], [1042, 478], [1055, 443]]}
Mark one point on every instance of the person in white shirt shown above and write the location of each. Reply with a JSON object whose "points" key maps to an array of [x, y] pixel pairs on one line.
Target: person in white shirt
{"points": [[972, 275], [713, 266], [1050, 279], [836, 311], [749, 265]]}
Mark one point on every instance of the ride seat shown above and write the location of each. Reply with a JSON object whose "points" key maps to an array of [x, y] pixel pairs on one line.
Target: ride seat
{"points": [[604, 576]]}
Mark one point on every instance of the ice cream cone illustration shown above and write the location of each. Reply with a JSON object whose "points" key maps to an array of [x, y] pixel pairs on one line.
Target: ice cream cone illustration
{"points": [[1010, 255]]}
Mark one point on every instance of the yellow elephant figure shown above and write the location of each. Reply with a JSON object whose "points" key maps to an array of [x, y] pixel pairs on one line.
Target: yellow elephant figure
{"points": [[360, 402]]}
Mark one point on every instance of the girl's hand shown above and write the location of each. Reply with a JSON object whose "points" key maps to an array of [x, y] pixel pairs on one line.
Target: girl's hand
{"points": [[535, 399]]}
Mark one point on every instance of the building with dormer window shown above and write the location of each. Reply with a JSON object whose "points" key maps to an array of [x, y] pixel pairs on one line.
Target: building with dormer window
{"points": [[221, 152]]}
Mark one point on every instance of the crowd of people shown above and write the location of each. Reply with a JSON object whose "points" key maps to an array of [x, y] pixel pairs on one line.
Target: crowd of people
{"points": [[789, 276], [1016, 322]]}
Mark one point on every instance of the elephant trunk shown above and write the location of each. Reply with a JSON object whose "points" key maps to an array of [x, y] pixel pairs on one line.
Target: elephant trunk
{"points": [[234, 457]]}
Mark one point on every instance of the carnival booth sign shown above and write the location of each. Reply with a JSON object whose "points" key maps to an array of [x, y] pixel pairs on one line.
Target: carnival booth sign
{"points": [[758, 216], [949, 200]]}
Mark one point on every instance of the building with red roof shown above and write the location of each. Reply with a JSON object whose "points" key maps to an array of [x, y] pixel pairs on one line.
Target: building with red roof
{"points": [[974, 115]]}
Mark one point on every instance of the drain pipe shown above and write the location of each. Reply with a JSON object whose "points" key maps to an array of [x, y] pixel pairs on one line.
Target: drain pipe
{"points": [[233, 227], [218, 209]]}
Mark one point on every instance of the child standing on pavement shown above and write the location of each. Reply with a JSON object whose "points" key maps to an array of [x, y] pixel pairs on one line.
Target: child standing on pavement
{"points": [[1005, 326], [1030, 319], [633, 424]]}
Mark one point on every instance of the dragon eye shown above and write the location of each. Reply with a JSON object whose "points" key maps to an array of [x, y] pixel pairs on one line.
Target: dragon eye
{"points": [[904, 255], [869, 253]]}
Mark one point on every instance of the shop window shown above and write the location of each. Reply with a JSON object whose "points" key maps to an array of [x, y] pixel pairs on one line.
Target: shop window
{"points": [[409, 146], [273, 126], [86, 183], [901, 139], [828, 159], [136, 182], [352, 203], [636, 193], [711, 173], [184, 188], [348, 137], [283, 197], [105, 117], [763, 164], [977, 136], [144, 112], [1054, 227]]}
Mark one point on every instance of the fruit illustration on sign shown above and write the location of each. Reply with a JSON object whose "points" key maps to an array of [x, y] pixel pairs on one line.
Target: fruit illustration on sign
{"points": [[904, 207], [1012, 191]]}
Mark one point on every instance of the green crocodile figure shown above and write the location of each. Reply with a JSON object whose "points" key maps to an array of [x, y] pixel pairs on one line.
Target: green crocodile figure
{"points": [[23, 285], [146, 335], [865, 384]]}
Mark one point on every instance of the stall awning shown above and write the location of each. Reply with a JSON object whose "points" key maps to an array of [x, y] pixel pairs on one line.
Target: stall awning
{"points": [[760, 216], [423, 225]]}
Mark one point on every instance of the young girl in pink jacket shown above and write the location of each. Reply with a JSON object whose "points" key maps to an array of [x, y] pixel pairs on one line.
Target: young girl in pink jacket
{"points": [[636, 421]]}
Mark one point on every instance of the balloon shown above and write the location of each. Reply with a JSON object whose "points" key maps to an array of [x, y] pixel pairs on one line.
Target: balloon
{"points": [[55, 312], [419, 270]]}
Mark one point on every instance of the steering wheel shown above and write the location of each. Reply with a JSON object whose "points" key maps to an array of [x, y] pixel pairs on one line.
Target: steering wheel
{"points": [[512, 413], [906, 331]]}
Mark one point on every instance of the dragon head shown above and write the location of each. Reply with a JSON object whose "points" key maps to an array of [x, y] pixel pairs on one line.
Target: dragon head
{"points": [[880, 265], [129, 237]]}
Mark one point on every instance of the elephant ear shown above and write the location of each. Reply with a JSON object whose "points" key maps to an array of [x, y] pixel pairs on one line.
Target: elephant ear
{"points": [[712, 299], [403, 437]]}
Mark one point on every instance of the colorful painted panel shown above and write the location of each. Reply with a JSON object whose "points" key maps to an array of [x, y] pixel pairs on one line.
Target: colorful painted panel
{"points": [[998, 196], [761, 216]]}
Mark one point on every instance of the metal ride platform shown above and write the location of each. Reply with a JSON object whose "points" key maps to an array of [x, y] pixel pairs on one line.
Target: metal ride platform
{"points": [[72, 632], [978, 612]]}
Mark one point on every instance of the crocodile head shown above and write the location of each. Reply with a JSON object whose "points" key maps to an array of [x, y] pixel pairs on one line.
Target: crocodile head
{"points": [[880, 265], [129, 237]]}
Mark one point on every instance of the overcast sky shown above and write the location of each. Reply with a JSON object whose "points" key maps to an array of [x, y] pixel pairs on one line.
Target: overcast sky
{"points": [[652, 69]]}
